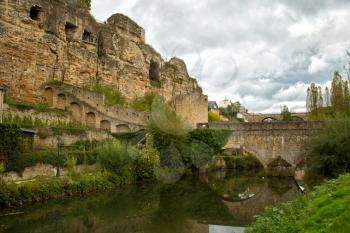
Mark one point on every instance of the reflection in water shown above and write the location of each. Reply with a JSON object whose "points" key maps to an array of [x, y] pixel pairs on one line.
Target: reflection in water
{"points": [[191, 205]]}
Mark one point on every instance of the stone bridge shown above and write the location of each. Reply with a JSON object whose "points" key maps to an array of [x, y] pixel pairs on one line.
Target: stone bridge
{"points": [[279, 146], [269, 117]]}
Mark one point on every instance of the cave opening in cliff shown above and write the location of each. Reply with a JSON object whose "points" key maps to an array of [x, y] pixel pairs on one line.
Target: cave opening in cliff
{"points": [[154, 72], [35, 12], [70, 29]]}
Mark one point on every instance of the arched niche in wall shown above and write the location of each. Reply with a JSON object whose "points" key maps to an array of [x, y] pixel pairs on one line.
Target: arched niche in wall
{"points": [[105, 125], [269, 119], [91, 120], [48, 94], [75, 108], [123, 128], [70, 30], [61, 101]]}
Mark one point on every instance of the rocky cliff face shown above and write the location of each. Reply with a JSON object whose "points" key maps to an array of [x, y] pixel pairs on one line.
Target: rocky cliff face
{"points": [[43, 41]]}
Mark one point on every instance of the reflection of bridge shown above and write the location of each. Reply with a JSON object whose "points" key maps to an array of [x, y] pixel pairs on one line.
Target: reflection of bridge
{"points": [[279, 146], [269, 117], [267, 192]]}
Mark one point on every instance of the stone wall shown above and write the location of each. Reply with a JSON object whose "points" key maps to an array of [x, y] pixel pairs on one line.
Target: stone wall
{"points": [[42, 41], [42, 170], [193, 108]]}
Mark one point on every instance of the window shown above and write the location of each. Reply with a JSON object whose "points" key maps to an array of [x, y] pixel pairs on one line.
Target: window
{"points": [[35, 13], [88, 37]]}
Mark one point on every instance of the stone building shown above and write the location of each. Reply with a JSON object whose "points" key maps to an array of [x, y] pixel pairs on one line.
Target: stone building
{"points": [[43, 42]]}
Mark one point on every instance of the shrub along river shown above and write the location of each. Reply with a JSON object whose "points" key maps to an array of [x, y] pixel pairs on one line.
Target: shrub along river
{"points": [[219, 202]]}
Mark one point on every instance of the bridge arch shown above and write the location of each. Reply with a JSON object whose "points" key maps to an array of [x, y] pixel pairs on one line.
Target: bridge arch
{"points": [[297, 118], [269, 119]]}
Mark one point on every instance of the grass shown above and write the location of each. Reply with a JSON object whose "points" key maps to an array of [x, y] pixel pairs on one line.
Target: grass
{"points": [[325, 210], [113, 97]]}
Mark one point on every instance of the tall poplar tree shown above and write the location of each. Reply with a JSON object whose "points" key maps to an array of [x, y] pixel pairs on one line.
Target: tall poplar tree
{"points": [[337, 94]]}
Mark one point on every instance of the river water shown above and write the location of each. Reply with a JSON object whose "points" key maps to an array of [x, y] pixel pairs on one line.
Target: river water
{"points": [[220, 202]]}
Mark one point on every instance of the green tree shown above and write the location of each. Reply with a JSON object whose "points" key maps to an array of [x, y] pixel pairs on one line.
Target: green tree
{"points": [[213, 116], [87, 3], [329, 149], [286, 114], [337, 94]]}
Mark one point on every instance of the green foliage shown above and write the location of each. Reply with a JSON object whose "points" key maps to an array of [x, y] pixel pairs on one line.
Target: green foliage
{"points": [[330, 149], [10, 137], [213, 116], [18, 162], [2, 168], [337, 102], [125, 136], [113, 97], [231, 110], [215, 138], [117, 158], [180, 150], [87, 3], [71, 161], [326, 209], [145, 164], [43, 189], [144, 103], [24, 106], [286, 114], [57, 127]]}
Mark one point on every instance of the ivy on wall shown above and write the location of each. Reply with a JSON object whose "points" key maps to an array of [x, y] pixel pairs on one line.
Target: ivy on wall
{"points": [[10, 141]]}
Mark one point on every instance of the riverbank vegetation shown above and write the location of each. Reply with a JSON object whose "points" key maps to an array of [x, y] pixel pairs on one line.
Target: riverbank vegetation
{"points": [[172, 150], [326, 209]]}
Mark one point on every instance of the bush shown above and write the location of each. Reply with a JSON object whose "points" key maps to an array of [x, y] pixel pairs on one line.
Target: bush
{"points": [[113, 97], [215, 138], [213, 116], [145, 164], [330, 149], [10, 137], [144, 103], [19, 162], [2, 168], [117, 158], [43, 189]]}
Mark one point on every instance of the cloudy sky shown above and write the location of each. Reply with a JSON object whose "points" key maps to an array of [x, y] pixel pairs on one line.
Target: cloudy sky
{"points": [[261, 53]]}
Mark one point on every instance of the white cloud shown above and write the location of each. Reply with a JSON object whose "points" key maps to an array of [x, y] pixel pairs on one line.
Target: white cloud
{"points": [[318, 64]]}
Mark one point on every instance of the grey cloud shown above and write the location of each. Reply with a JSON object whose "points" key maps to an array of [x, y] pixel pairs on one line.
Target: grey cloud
{"points": [[246, 50]]}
